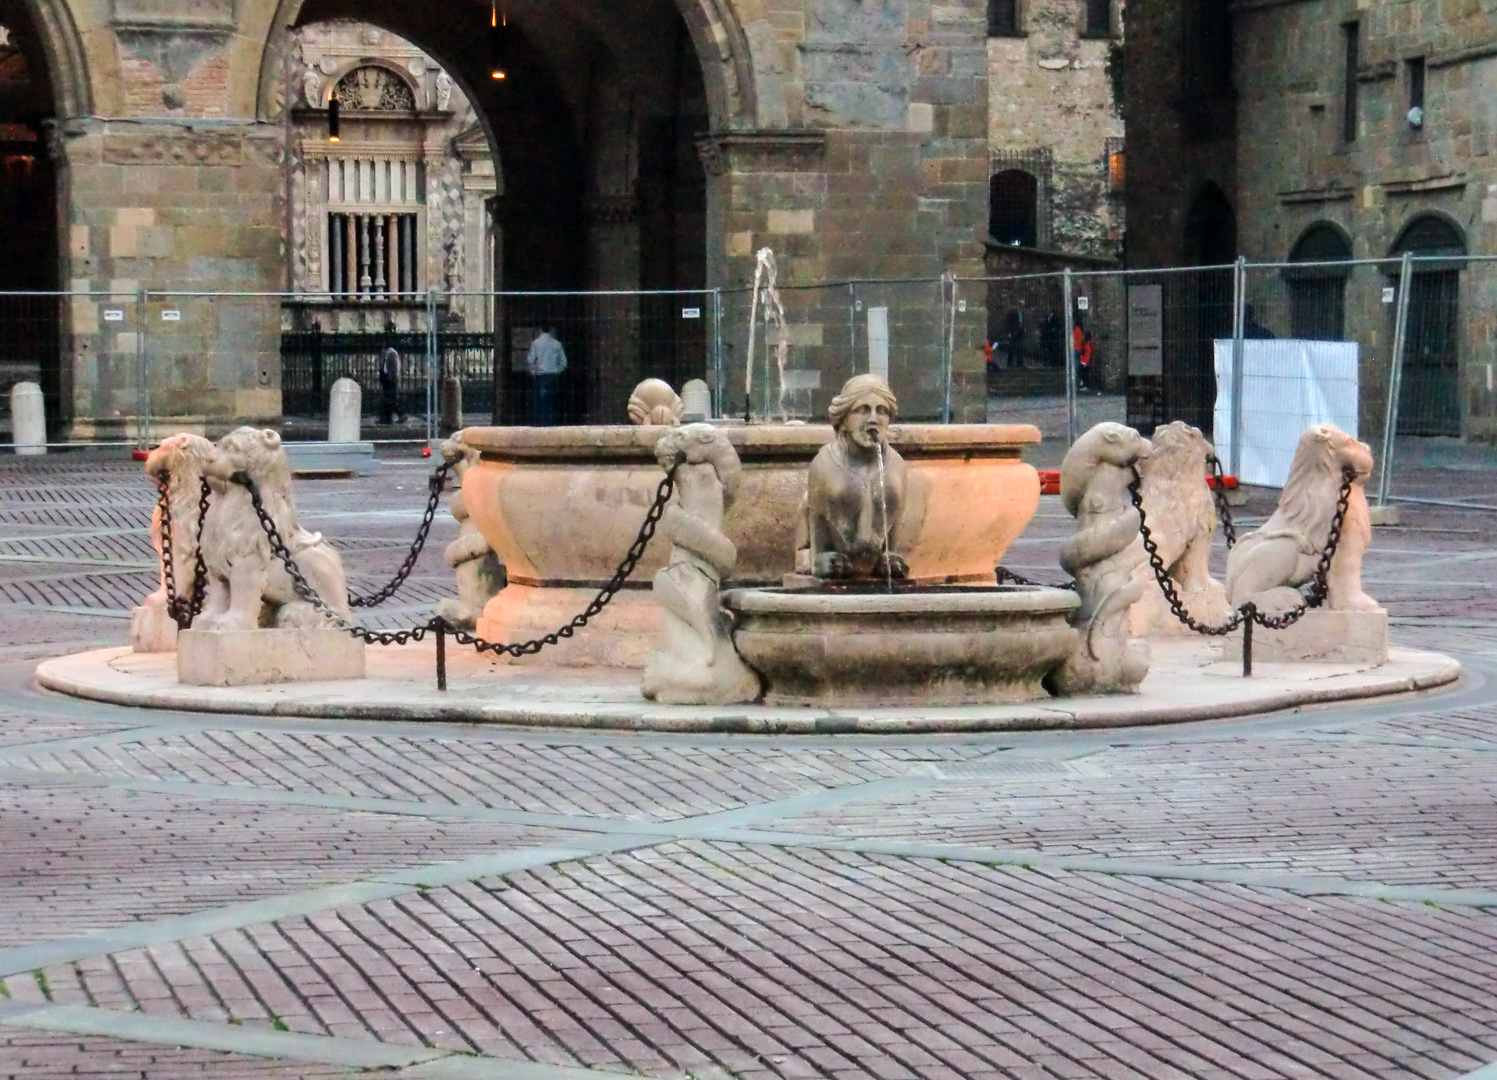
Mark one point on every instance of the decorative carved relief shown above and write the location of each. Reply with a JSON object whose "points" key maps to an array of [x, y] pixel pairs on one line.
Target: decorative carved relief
{"points": [[375, 89], [762, 151], [190, 148]]}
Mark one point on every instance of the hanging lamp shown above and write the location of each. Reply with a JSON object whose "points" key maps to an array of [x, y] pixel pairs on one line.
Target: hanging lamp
{"points": [[498, 42]]}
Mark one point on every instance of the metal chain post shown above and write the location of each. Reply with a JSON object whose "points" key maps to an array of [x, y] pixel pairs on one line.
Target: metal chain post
{"points": [[1239, 326], [142, 376], [1395, 376], [1067, 358]]}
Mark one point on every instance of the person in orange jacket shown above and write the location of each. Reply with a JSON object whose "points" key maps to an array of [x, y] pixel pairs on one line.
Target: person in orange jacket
{"points": [[1081, 350]]}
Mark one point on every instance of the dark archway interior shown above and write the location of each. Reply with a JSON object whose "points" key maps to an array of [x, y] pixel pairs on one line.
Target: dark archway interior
{"points": [[28, 212], [594, 134], [1210, 235], [1013, 208]]}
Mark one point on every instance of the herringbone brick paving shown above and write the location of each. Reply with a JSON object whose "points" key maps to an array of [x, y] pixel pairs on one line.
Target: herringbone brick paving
{"points": [[760, 951]]}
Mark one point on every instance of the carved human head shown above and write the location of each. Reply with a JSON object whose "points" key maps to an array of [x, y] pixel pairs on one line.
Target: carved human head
{"points": [[864, 410]]}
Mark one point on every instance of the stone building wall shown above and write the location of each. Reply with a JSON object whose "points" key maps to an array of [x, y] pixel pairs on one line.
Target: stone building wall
{"points": [[1296, 170], [1054, 90], [851, 135]]}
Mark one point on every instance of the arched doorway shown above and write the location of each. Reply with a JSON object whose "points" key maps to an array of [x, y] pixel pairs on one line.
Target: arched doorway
{"points": [[1429, 400], [1317, 294], [601, 187], [29, 332], [1013, 208]]}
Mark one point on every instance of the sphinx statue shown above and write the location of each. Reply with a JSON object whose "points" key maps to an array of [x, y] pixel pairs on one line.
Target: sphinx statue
{"points": [[480, 574], [697, 664], [1102, 555], [855, 490]]}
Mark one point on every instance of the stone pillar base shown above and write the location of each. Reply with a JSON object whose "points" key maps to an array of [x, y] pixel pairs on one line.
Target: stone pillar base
{"points": [[1320, 637], [256, 657], [621, 635], [152, 629]]}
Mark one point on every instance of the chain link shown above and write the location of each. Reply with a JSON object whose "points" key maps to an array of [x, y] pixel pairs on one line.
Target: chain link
{"points": [[437, 624], [436, 482], [1313, 599], [183, 609], [1223, 509]]}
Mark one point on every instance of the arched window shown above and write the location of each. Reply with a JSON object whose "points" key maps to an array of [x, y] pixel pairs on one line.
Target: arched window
{"points": [[1013, 208], [1317, 293], [1429, 402], [1210, 236]]}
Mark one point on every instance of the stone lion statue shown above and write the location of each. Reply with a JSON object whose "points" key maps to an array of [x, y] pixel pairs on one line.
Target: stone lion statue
{"points": [[1102, 555], [855, 489], [480, 574], [247, 587], [1181, 513], [178, 463], [654, 402], [1269, 565]]}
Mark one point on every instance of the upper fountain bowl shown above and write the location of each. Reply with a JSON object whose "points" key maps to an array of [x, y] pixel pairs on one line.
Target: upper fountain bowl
{"points": [[561, 505]]}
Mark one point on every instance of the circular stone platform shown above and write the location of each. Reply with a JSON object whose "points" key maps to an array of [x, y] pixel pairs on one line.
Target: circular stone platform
{"points": [[1187, 681]]}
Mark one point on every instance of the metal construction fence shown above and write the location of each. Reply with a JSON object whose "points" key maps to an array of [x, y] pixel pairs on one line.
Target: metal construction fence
{"points": [[1398, 349]]}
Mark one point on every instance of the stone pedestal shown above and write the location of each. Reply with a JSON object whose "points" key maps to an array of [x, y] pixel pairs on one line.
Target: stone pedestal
{"points": [[450, 404], [257, 657], [152, 629], [1320, 637], [696, 401], [28, 418], [344, 410]]}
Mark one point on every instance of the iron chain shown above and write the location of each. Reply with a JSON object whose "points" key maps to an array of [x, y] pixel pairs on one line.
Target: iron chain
{"points": [[1005, 576], [436, 483], [183, 609], [437, 624], [1313, 599], [1223, 509]]}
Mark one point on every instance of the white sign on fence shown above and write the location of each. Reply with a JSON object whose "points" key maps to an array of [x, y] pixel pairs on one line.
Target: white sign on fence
{"points": [[691, 313], [114, 314], [1145, 330], [1287, 385], [878, 341], [171, 315]]}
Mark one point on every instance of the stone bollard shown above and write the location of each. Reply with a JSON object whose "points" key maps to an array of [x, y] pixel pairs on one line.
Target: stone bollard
{"points": [[344, 407], [450, 405], [696, 398], [28, 418]]}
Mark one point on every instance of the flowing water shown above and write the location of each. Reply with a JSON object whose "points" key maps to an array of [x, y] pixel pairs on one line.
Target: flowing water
{"points": [[883, 498]]}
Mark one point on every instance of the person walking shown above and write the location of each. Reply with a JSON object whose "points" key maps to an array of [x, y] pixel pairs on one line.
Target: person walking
{"points": [[545, 362], [1081, 349], [389, 381]]}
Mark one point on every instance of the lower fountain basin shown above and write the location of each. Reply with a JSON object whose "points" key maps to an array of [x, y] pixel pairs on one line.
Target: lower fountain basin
{"points": [[865, 645]]}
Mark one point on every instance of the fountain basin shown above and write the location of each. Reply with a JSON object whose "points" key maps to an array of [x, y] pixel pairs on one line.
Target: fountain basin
{"points": [[923, 646], [561, 506]]}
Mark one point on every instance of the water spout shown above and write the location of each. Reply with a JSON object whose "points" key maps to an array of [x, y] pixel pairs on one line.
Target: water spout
{"points": [[883, 499]]}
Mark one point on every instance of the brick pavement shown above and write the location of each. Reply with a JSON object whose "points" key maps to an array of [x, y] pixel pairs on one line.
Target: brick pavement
{"points": [[1279, 897]]}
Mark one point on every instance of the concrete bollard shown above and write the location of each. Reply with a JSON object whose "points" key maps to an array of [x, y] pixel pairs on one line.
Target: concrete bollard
{"points": [[696, 400], [450, 411], [344, 406], [28, 418]]}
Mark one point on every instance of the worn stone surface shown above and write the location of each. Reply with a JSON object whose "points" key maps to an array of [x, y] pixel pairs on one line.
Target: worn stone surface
{"points": [[562, 505], [1102, 557], [1180, 511], [478, 570], [257, 657], [248, 585], [856, 489], [1269, 564], [696, 663], [1320, 636]]}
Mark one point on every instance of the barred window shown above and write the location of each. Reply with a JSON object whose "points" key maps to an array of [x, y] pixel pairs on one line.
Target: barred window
{"points": [[1003, 18], [1013, 208], [1317, 294], [1098, 19]]}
